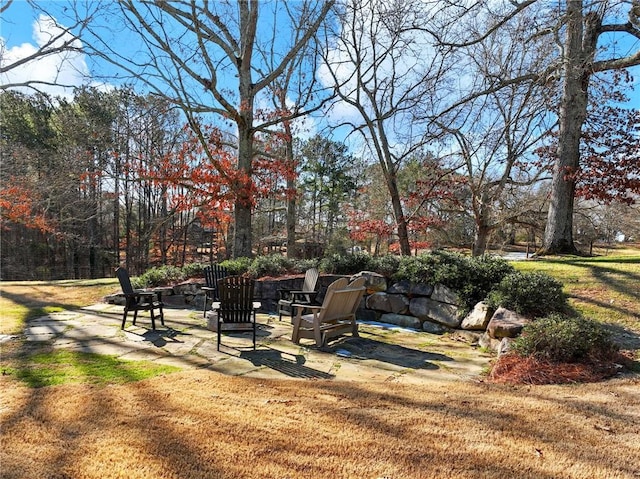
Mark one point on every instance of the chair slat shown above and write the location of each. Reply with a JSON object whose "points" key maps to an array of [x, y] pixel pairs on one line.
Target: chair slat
{"points": [[236, 306]]}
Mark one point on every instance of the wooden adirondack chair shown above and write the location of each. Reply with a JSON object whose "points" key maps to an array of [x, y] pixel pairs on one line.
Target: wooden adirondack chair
{"points": [[212, 274], [334, 318], [236, 308], [306, 295], [139, 300]]}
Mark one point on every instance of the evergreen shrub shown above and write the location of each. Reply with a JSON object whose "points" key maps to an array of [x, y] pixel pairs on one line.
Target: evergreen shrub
{"points": [[193, 270], [472, 278], [271, 265], [386, 265], [237, 266], [159, 276], [346, 263], [302, 265], [558, 338], [531, 294]]}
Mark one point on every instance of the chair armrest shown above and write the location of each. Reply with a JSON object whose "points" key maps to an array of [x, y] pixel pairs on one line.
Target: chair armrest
{"points": [[138, 292], [208, 288], [306, 306], [284, 293]]}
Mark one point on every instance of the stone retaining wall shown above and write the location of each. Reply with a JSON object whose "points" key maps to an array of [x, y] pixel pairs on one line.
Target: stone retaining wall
{"points": [[431, 308]]}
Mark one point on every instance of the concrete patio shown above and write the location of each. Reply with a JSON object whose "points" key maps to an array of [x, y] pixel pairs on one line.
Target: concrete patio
{"points": [[381, 353]]}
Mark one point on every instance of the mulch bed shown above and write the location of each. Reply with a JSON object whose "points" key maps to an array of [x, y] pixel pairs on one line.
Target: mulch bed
{"points": [[514, 369]]}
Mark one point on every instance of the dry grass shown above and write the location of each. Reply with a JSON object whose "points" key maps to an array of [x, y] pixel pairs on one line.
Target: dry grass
{"points": [[204, 425], [199, 424]]}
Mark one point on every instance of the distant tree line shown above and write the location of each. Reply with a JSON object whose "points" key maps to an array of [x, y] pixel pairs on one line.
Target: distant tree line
{"points": [[477, 124]]}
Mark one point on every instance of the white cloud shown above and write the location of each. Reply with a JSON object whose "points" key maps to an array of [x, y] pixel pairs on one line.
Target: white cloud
{"points": [[368, 58], [60, 71]]}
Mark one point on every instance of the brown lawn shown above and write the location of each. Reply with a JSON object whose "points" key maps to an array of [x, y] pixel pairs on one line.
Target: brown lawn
{"points": [[205, 425], [200, 424]]}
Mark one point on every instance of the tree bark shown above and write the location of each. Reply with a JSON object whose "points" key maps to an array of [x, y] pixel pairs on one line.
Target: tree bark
{"points": [[398, 213], [481, 240], [580, 45], [291, 192], [242, 240]]}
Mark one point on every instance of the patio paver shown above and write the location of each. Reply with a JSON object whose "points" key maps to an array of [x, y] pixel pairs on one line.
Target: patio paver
{"points": [[379, 354]]}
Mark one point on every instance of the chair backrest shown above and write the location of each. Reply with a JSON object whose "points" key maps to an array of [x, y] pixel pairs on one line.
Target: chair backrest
{"points": [[337, 284], [236, 299], [125, 281], [341, 303], [357, 283], [310, 280], [213, 274]]}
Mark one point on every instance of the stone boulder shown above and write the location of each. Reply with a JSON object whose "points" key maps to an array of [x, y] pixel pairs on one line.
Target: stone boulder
{"points": [[401, 287], [506, 324], [421, 289], [434, 328], [488, 342], [374, 282], [388, 303], [505, 346], [428, 309], [443, 294], [478, 318], [187, 288], [401, 320], [117, 299]]}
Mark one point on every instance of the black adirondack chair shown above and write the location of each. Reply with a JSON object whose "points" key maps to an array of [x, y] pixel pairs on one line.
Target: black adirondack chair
{"points": [[138, 300], [304, 296], [212, 274], [236, 308]]}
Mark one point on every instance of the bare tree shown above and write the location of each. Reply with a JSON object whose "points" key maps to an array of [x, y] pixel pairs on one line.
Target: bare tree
{"points": [[55, 40], [222, 48], [578, 28], [384, 69], [496, 133]]}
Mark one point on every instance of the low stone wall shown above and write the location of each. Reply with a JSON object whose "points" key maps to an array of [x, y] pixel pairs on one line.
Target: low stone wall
{"points": [[437, 309], [432, 308]]}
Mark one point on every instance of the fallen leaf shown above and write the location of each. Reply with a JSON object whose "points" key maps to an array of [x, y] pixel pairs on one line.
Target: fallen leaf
{"points": [[603, 428]]}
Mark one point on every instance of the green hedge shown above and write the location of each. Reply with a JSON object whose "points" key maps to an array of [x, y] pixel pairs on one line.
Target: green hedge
{"points": [[472, 277], [531, 294], [560, 338]]}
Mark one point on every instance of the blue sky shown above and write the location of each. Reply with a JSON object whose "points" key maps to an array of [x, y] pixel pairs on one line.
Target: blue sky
{"points": [[21, 37]]}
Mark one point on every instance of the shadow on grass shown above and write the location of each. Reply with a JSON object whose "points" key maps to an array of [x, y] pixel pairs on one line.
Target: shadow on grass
{"points": [[606, 275]]}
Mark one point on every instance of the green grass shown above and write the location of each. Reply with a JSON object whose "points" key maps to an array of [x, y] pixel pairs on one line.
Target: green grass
{"points": [[605, 288], [22, 301], [62, 367]]}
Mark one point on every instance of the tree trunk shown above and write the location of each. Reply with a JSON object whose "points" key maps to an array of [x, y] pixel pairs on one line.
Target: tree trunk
{"points": [[291, 191], [481, 239], [398, 213], [482, 214], [580, 44], [242, 209]]}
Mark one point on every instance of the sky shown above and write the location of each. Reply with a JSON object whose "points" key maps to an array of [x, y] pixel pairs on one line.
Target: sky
{"points": [[22, 32]]}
